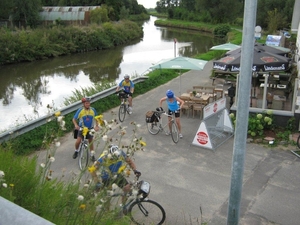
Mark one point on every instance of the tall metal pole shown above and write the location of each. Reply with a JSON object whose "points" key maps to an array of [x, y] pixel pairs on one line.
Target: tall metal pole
{"points": [[242, 115], [175, 41]]}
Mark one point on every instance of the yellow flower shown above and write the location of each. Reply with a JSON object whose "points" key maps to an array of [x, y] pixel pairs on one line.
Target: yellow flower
{"points": [[11, 186], [85, 131], [143, 143], [82, 206], [100, 120], [57, 114], [92, 169]]}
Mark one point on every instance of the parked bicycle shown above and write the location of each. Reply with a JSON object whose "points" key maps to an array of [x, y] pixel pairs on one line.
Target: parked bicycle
{"points": [[84, 150], [124, 106], [155, 124], [139, 207]]}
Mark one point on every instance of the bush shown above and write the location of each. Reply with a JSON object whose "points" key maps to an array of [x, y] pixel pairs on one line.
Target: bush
{"points": [[221, 30]]}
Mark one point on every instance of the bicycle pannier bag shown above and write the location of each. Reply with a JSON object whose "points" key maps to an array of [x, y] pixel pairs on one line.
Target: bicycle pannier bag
{"points": [[150, 117], [75, 133]]}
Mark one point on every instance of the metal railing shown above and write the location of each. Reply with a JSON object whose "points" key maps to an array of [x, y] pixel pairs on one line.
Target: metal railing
{"points": [[11, 213], [10, 134]]}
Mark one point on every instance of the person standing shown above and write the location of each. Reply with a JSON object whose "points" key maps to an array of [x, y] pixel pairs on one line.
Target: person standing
{"points": [[85, 117], [173, 107], [128, 87]]}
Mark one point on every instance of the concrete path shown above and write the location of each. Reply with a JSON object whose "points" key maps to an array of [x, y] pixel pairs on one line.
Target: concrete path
{"points": [[192, 183]]}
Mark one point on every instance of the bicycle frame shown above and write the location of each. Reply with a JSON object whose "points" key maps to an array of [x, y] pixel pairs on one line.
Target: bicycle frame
{"points": [[156, 127], [138, 207], [123, 106], [84, 151]]}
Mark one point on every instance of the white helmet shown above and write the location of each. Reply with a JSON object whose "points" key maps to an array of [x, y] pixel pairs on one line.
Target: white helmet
{"points": [[113, 149]]}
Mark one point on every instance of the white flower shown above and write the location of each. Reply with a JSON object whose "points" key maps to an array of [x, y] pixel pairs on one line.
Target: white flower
{"points": [[86, 185], [103, 200], [49, 120], [98, 208], [4, 185], [115, 177], [57, 144], [52, 159], [105, 152], [109, 156], [114, 187], [135, 140], [62, 123], [138, 125], [109, 126], [80, 197], [43, 165], [105, 122], [2, 174], [92, 153], [60, 119], [104, 138]]}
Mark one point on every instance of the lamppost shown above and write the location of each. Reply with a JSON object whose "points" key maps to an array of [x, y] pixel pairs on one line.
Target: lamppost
{"points": [[175, 41]]}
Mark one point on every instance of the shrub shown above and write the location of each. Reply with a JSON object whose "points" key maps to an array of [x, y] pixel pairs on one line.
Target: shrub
{"points": [[222, 30], [257, 123]]}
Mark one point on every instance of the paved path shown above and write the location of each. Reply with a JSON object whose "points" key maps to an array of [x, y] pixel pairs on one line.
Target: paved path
{"points": [[187, 180]]}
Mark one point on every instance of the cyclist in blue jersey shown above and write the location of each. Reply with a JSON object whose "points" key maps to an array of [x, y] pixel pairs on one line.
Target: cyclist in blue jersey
{"points": [[112, 164], [85, 117], [128, 87], [174, 104]]}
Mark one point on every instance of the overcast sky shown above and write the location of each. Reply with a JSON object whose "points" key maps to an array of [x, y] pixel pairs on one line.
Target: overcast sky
{"points": [[148, 3]]}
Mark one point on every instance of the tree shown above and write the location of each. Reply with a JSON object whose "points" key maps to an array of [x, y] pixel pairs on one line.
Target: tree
{"points": [[26, 11], [6, 7]]}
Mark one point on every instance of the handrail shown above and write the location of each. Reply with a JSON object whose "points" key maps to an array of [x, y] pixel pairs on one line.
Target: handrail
{"points": [[10, 134], [11, 213]]}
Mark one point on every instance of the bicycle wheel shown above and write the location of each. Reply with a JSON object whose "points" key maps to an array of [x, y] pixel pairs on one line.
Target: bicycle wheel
{"points": [[298, 142], [147, 212], [83, 158], [153, 128], [122, 112], [174, 133]]}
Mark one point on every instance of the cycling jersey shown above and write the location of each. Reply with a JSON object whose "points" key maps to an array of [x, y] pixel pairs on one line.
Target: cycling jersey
{"points": [[85, 117], [126, 85], [172, 106], [116, 165]]}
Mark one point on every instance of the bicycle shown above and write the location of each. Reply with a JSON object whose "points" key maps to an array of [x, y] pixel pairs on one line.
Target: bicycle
{"points": [[84, 151], [155, 125], [124, 107], [139, 207]]}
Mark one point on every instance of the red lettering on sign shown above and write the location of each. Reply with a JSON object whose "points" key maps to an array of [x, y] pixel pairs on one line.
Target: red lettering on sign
{"points": [[202, 138], [215, 107]]}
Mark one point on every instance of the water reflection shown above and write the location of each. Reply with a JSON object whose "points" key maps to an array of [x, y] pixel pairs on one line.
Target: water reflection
{"points": [[27, 88]]}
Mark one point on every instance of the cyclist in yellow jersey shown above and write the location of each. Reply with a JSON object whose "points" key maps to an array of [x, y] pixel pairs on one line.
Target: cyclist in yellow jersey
{"points": [[128, 86], [111, 165], [85, 117]]}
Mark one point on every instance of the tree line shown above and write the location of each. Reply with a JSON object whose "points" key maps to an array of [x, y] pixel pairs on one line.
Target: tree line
{"points": [[271, 14], [28, 10]]}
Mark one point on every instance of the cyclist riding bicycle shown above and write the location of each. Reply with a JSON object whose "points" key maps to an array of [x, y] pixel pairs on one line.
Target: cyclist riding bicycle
{"points": [[128, 87], [85, 117], [173, 107], [113, 164]]}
